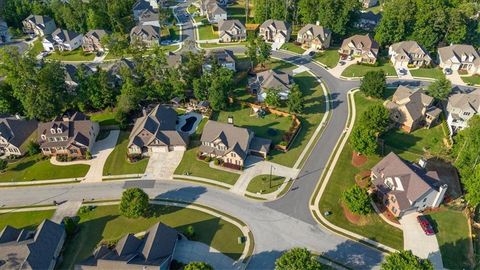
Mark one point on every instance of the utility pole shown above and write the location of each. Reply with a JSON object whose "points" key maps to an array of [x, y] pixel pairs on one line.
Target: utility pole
{"points": [[271, 168]]}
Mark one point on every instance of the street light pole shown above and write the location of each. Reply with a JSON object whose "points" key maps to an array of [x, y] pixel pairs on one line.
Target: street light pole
{"points": [[271, 168]]}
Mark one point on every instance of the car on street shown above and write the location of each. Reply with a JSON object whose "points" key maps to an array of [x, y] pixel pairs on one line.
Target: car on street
{"points": [[426, 226]]}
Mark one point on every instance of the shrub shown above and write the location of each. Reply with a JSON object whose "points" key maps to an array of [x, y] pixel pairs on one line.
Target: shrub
{"points": [[405, 260], [134, 203], [86, 208], [33, 148], [71, 225], [208, 159], [3, 164], [357, 200], [190, 232], [62, 158], [198, 266], [88, 155], [297, 258], [216, 161]]}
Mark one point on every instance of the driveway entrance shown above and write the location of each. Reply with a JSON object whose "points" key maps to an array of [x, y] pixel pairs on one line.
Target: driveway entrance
{"points": [[163, 165]]}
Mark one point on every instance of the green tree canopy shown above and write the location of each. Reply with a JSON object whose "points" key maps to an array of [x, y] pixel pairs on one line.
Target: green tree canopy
{"points": [[405, 260], [198, 266], [295, 101], [134, 203], [374, 84], [376, 118], [357, 200], [273, 98], [297, 258], [363, 140], [440, 89]]}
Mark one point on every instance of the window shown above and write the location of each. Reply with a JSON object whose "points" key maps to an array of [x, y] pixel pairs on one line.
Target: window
{"points": [[43, 137], [59, 130], [466, 113], [393, 199], [52, 130], [425, 199]]}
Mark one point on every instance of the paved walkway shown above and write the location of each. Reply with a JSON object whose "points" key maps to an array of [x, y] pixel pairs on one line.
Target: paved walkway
{"points": [[191, 251], [300, 69], [254, 167], [163, 165], [455, 78], [422, 245], [66, 209], [100, 152]]}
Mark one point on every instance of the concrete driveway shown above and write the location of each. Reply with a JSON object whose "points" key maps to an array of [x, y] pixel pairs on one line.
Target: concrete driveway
{"points": [[191, 251], [100, 152], [163, 165], [422, 245], [66, 209]]}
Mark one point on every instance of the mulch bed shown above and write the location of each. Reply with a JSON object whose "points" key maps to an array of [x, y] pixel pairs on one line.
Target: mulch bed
{"points": [[363, 179], [384, 211], [354, 218], [358, 160]]}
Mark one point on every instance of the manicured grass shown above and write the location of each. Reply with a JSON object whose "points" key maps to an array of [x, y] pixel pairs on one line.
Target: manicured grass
{"points": [[343, 177], [170, 32], [195, 167], [262, 184], [453, 238], [105, 118], [117, 162], [290, 46], [106, 224], [328, 57], [192, 9], [37, 47], [206, 32], [75, 55], [434, 73], [237, 11], [216, 45], [38, 168], [25, 220], [474, 79], [199, 18], [360, 70]]}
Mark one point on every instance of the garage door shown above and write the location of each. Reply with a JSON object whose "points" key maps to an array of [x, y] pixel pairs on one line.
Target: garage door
{"points": [[159, 149], [179, 148]]}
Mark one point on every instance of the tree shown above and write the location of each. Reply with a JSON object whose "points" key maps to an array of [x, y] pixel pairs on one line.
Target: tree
{"points": [[440, 88], [264, 51], [297, 258], [430, 23], [363, 140], [3, 164], [308, 10], [116, 43], [252, 51], [33, 148], [337, 15], [376, 118], [134, 203], [273, 98], [295, 100], [8, 103], [374, 84], [357, 200], [198, 266], [397, 23], [405, 260]]}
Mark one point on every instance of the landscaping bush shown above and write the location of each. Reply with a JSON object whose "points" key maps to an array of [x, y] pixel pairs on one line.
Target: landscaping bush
{"points": [[216, 161], [3, 164], [367, 64], [33, 148], [134, 203], [190, 232], [297, 258], [71, 225], [86, 208], [357, 200], [132, 158], [88, 155], [198, 266], [62, 158], [208, 159], [405, 260]]}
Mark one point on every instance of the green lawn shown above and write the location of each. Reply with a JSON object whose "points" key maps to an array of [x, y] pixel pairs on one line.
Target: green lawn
{"points": [[105, 224], [195, 167], [328, 57], [117, 162], [473, 80], [105, 118], [343, 177], [37, 47], [37, 168], [25, 220], [360, 70], [237, 11], [75, 55], [290, 46], [434, 73], [199, 18], [170, 32], [206, 32], [192, 9], [216, 45], [262, 184], [453, 238]]}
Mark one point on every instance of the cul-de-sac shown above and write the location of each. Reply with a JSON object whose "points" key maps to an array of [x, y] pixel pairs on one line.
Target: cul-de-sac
{"points": [[239, 134]]}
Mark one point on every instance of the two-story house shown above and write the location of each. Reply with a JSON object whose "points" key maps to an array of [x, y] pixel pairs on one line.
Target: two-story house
{"points": [[149, 35], [275, 31], [63, 40], [411, 109], [462, 106], [231, 144], [15, 133], [271, 79], [92, 40], [221, 57], [408, 53], [72, 135], [38, 25], [213, 10], [405, 187], [231, 31], [369, 3], [459, 57], [144, 5], [314, 36], [363, 46]]}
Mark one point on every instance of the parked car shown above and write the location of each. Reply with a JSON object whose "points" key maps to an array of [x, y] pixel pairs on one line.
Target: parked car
{"points": [[349, 58], [447, 71], [425, 224], [402, 71], [312, 53], [341, 63]]}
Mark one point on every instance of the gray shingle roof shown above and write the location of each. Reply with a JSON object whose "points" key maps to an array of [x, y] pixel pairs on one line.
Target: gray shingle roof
{"points": [[236, 139], [96, 34], [65, 35], [276, 24], [226, 25], [146, 31], [16, 130], [454, 53], [410, 49], [316, 31], [222, 56], [274, 79], [38, 19]]}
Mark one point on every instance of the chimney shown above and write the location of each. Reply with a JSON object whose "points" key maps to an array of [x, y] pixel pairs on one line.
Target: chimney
{"points": [[440, 195], [423, 163], [317, 23], [230, 120], [17, 116]]}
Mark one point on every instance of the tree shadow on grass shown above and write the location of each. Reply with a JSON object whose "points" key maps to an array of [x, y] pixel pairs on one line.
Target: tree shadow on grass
{"points": [[456, 255], [23, 165]]}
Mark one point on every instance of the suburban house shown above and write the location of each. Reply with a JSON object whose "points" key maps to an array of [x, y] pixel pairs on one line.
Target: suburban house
{"points": [[412, 109], [223, 58], [459, 57], [369, 3], [231, 144], [149, 35], [275, 31], [4, 35], [25, 249], [114, 72], [271, 79], [314, 36], [367, 20], [63, 40], [462, 106], [149, 17], [406, 187], [15, 133], [360, 46], [72, 135], [92, 40], [156, 132], [143, 5], [215, 13], [409, 53], [231, 31], [154, 250], [38, 25]]}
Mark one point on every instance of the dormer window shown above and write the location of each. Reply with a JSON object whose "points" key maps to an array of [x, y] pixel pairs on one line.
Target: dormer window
{"points": [[43, 137], [52, 130], [59, 130]]}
